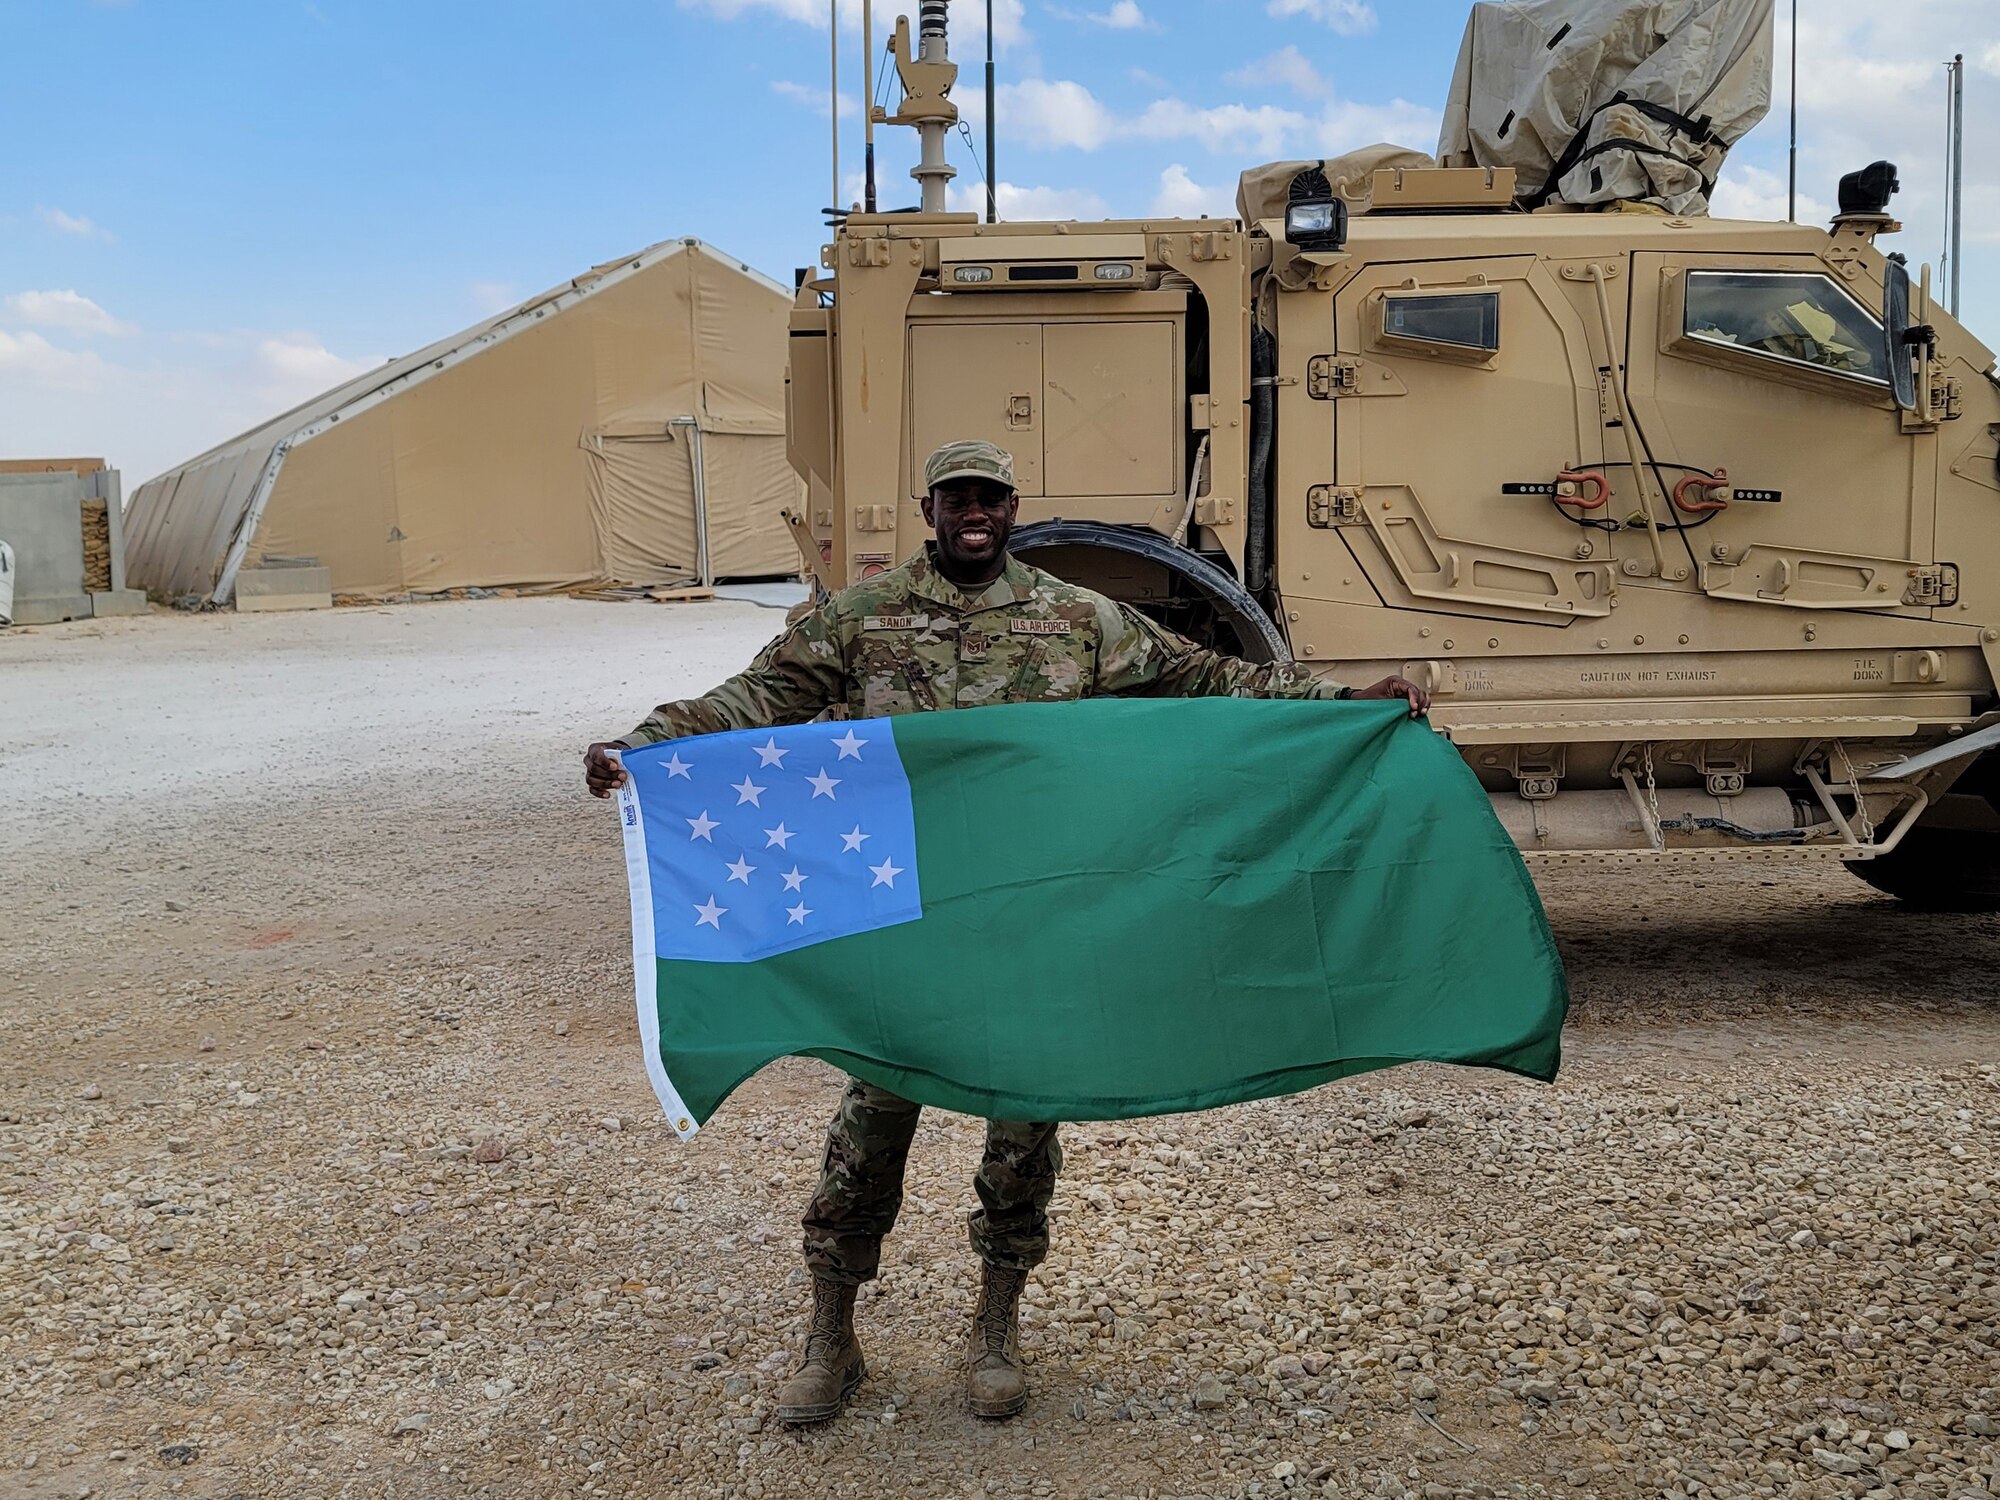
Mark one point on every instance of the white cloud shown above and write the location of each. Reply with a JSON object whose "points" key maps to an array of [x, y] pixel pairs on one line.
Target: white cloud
{"points": [[1345, 124], [1348, 17], [1879, 80], [1749, 192], [1286, 68], [969, 23], [1015, 202], [815, 98], [1872, 87], [1054, 114], [75, 224], [1181, 197], [169, 397], [1124, 15], [1221, 127], [294, 367], [67, 310], [31, 356]]}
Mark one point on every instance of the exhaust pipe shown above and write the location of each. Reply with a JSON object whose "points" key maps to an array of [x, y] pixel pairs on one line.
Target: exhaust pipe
{"points": [[1263, 436]]}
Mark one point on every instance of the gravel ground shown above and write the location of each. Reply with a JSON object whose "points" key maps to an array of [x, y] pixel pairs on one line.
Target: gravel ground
{"points": [[327, 1165]]}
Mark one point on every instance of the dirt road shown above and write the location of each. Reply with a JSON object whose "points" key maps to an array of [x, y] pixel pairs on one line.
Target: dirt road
{"points": [[327, 1165]]}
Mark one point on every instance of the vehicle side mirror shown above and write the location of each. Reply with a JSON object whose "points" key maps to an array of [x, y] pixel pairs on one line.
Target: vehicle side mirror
{"points": [[1897, 333]]}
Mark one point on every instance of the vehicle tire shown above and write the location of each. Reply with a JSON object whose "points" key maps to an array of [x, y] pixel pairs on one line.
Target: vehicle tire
{"points": [[1939, 869], [1199, 600]]}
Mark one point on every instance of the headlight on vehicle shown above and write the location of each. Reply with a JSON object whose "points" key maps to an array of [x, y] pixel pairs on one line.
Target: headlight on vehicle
{"points": [[971, 273], [1316, 223]]}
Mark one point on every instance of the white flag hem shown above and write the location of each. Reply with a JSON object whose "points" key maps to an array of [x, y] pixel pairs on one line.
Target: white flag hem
{"points": [[645, 967]]}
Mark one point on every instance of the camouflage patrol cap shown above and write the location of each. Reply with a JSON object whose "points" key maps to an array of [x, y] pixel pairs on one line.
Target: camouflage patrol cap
{"points": [[969, 458]]}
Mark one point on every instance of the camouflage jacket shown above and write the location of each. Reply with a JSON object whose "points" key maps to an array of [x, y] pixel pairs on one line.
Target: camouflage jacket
{"points": [[909, 640]]}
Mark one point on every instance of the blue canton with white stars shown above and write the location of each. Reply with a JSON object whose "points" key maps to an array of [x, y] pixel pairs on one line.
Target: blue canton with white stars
{"points": [[762, 841]]}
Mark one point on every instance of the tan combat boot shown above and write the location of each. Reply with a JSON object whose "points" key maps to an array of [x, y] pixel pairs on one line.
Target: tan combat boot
{"points": [[993, 1379], [833, 1366]]}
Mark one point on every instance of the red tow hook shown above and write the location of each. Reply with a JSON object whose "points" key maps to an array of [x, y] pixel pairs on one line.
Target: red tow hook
{"points": [[1719, 500], [1570, 484]]}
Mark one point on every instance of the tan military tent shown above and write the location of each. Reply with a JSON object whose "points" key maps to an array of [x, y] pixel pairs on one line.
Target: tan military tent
{"points": [[583, 437]]}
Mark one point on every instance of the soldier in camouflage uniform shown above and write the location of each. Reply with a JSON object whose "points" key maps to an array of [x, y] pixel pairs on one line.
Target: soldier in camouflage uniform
{"points": [[961, 624]]}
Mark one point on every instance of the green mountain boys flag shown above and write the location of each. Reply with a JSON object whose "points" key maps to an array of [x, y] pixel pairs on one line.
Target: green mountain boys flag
{"points": [[1079, 911]]}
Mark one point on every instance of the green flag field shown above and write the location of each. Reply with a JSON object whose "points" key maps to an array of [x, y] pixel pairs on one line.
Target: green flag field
{"points": [[1079, 911]]}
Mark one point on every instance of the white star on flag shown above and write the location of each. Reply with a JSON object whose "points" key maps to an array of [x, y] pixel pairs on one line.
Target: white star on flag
{"points": [[711, 915], [823, 784], [793, 879], [852, 841], [741, 870], [747, 791], [768, 753], [703, 826], [797, 914], [777, 837], [850, 746], [678, 767], [885, 874]]}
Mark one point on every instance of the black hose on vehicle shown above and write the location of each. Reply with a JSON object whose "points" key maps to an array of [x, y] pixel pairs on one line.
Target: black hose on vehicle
{"points": [[1263, 436]]}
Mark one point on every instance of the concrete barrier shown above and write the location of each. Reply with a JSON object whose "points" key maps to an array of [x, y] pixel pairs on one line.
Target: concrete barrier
{"points": [[41, 518]]}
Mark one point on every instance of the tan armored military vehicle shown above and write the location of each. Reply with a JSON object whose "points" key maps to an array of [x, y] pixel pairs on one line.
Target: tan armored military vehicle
{"points": [[1691, 526]]}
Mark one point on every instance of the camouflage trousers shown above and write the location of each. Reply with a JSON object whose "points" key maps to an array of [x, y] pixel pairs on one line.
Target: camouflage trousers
{"points": [[861, 1187]]}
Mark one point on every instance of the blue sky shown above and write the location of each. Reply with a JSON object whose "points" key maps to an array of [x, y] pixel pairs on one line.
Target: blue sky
{"points": [[210, 209]]}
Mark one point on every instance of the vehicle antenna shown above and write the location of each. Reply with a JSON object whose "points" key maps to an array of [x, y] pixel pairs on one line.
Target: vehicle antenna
{"points": [[833, 93], [867, 104], [924, 65], [1792, 185], [1944, 229], [1957, 164], [992, 191], [931, 171]]}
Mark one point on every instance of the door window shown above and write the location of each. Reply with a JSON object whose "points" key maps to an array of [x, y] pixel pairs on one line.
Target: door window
{"points": [[1796, 318], [1463, 320]]}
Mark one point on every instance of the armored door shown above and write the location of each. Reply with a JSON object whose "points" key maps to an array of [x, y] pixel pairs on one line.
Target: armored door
{"points": [[1760, 392], [1464, 397], [977, 380]]}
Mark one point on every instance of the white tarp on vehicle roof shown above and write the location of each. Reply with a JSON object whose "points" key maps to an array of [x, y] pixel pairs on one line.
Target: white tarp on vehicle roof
{"points": [[1605, 101]]}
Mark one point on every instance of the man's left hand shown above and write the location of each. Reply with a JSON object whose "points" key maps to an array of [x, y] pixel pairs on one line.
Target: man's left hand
{"points": [[1398, 687]]}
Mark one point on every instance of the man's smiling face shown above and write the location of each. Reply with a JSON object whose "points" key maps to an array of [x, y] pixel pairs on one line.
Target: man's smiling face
{"points": [[973, 519]]}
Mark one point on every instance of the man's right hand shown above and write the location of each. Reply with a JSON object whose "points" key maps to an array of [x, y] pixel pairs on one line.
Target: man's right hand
{"points": [[601, 771]]}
